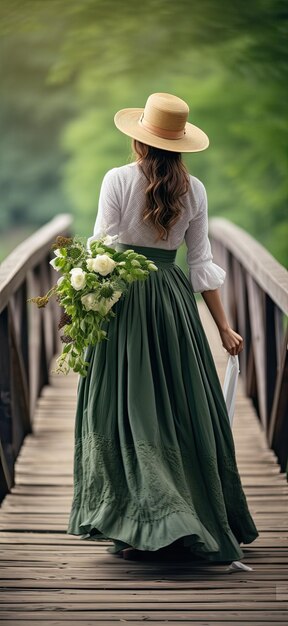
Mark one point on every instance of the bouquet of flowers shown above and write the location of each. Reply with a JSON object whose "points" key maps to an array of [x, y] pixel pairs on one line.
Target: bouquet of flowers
{"points": [[93, 280]]}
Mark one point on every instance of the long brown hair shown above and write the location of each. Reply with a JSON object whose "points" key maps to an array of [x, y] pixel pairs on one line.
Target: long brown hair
{"points": [[168, 181]]}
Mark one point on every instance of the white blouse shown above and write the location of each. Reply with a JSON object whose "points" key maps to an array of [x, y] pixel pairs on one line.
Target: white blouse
{"points": [[121, 203]]}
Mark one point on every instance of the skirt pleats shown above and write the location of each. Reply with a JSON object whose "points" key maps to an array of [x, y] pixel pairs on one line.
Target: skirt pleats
{"points": [[154, 455]]}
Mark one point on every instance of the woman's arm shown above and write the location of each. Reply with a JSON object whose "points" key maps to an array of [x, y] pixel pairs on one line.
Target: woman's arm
{"points": [[231, 341], [108, 215], [206, 276]]}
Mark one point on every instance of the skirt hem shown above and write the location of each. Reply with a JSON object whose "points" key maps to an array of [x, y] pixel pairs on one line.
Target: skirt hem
{"points": [[152, 537]]}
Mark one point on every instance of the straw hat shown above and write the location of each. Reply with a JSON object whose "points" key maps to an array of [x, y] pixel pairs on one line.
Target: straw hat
{"points": [[162, 124]]}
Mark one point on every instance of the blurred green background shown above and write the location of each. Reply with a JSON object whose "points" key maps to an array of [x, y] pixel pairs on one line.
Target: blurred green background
{"points": [[67, 66]]}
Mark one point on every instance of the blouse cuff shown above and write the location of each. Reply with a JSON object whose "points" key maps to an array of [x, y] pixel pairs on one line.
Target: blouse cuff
{"points": [[206, 277]]}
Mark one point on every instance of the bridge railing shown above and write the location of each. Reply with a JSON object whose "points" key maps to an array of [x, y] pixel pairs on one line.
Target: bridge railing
{"points": [[28, 339], [255, 295]]}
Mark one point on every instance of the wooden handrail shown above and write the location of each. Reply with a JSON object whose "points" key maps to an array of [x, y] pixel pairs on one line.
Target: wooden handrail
{"points": [[28, 339], [270, 275], [27, 255], [255, 296]]}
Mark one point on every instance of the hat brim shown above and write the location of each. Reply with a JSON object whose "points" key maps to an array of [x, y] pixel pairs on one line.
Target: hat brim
{"points": [[194, 140]]}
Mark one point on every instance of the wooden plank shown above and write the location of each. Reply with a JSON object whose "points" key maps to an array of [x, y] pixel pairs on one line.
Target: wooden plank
{"points": [[148, 595], [127, 586], [267, 616], [272, 575], [136, 620], [186, 597], [124, 605]]}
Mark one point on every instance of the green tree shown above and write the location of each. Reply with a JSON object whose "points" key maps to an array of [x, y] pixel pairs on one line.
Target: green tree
{"points": [[32, 116], [229, 60]]}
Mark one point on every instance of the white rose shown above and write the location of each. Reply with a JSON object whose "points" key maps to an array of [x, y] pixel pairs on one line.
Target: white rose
{"points": [[103, 264], [92, 303], [89, 301], [78, 278], [105, 304], [116, 296]]}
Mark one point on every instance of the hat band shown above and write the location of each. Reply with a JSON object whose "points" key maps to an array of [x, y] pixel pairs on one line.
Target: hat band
{"points": [[161, 132]]}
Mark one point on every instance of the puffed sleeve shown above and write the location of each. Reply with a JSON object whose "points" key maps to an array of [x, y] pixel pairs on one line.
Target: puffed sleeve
{"points": [[203, 273], [108, 215]]}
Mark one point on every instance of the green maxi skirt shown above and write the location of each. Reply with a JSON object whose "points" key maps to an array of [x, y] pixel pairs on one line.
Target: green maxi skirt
{"points": [[154, 459]]}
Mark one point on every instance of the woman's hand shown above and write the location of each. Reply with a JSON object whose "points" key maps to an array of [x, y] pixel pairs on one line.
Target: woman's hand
{"points": [[231, 341]]}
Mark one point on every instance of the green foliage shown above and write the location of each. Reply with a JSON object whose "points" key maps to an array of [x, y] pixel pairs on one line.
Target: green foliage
{"points": [[32, 115], [92, 282], [69, 66]]}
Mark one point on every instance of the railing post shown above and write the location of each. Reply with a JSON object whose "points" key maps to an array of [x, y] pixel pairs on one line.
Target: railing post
{"points": [[278, 428], [6, 429], [19, 389], [270, 354]]}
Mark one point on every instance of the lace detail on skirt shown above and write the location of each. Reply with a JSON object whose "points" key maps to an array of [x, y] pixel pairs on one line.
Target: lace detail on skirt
{"points": [[139, 485], [152, 482]]}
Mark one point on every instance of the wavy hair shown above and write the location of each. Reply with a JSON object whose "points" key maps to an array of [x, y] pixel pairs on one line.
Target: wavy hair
{"points": [[168, 181]]}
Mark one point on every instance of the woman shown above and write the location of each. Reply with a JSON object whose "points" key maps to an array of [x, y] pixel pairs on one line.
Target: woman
{"points": [[154, 467]]}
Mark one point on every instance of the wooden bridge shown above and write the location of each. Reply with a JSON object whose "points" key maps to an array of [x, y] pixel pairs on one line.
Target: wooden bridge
{"points": [[51, 578]]}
